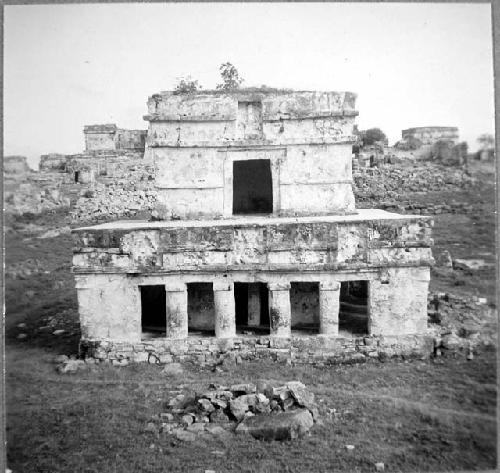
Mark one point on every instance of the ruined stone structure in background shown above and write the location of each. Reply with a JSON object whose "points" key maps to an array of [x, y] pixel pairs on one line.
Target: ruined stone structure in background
{"points": [[15, 166], [422, 138], [108, 137], [429, 135], [53, 162], [261, 252]]}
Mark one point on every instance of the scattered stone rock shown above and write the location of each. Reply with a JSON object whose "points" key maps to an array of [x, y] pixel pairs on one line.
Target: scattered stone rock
{"points": [[216, 430], [173, 369], [70, 366], [58, 332], [196, 427], [220, 403], [238, 408], [22, 336], [243, 388], [61, 359], [206, 405], [21, 325], [299, 392], [216, 407], [167, 416], [184, 435], [218, 416], [283, 426], [379, 466], [187, 420], [151, 428], [349, 447], [451, 341]]}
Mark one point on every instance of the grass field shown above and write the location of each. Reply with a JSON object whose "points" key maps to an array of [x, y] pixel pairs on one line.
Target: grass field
{"points": [[432, 415]]}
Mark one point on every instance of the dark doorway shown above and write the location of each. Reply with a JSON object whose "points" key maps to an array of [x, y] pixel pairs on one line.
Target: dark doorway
{"points": [[153, 310], [353, 316], [201, 309], [252, 187], [248, 298], [77, 175]]}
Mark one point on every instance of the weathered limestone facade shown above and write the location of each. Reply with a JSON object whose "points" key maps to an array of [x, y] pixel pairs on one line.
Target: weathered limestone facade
{"points": [[108, 137], [261, 252], [429, 135]]}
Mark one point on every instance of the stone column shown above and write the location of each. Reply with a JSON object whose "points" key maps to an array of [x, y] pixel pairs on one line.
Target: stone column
{"points": [[177, 314], [253, 305], [279, 310], [329, 305], [225, 314]]}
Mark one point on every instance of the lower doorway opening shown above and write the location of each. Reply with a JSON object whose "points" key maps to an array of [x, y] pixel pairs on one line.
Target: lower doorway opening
{"points": [[252, 308], [201, 309], [153, 311], [353, 316], [304, 306]]}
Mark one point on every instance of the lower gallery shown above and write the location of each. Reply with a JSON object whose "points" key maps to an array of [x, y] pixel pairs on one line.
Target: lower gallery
{"points": [[306, 289]]}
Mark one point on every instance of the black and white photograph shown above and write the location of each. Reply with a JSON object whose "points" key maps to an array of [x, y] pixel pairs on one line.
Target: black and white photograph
{"points": [[249, 237]]}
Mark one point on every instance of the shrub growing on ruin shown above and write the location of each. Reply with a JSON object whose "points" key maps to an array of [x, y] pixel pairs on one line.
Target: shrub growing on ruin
{"points": [[186, 85]]}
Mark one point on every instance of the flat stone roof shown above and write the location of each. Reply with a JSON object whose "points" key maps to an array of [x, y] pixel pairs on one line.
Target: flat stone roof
{"points": [[360, 216]]}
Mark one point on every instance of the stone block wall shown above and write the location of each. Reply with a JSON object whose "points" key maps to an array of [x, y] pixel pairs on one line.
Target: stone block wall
{"points": [[315, 350], [428, 135], [99, 137], [306, 137], [109, 137]]}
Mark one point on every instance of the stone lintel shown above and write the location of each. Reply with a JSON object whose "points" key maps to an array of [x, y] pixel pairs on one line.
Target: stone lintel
{"points": [[329, 286], [175, 286], [221, 285], [278, 286]]}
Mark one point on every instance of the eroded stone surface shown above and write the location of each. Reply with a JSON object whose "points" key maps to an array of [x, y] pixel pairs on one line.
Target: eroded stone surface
{"points": [[282, 426]]}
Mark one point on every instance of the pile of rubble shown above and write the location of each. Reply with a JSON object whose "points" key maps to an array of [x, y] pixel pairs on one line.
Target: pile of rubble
{"points": [[461, 322], [111, 198], [264, 411], [389, 183], [412, 207]]}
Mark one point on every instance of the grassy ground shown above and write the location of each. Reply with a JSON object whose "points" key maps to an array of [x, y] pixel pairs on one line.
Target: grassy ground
{"points": [[418, 416], [414, 416]]}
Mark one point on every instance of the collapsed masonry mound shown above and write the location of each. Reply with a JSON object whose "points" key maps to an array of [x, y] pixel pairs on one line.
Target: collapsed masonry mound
{"points": [[266, 412]]}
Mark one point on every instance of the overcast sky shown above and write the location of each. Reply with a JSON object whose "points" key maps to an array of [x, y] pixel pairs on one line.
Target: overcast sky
{"points": [[410, 64]]}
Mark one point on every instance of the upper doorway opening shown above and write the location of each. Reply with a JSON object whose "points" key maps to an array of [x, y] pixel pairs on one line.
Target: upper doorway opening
{"points": [[252, 187]]}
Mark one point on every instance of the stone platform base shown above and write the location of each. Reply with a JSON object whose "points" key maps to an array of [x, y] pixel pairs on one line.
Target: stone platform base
{"points": [[303, 349]]}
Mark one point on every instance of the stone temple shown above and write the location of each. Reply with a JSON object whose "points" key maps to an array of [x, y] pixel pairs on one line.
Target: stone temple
{"points": [[257, 249]]}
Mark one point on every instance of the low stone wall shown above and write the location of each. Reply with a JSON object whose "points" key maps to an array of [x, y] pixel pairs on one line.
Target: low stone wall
{"points": [[313, 349]]}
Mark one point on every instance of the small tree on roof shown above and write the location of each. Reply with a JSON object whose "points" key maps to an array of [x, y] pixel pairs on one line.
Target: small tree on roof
{"points": [[230, 77], [186, 85]]}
